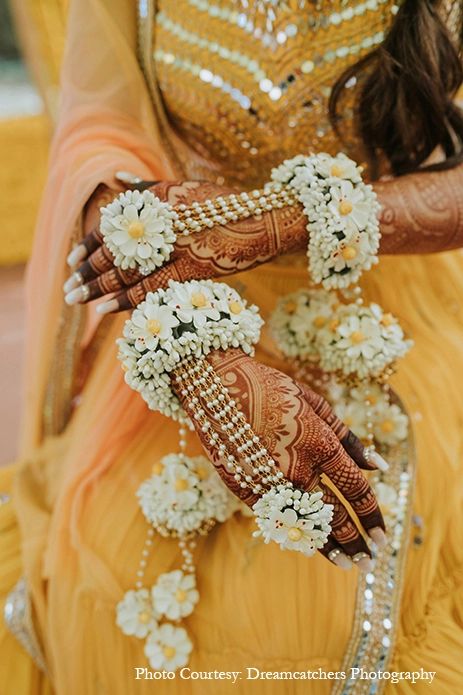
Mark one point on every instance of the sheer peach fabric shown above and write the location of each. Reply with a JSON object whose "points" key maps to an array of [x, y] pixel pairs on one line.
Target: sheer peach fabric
{"points": [[81, 528]]}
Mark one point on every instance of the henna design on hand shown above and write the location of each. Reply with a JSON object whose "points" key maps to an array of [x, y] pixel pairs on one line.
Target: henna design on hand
{"points": [[222, 250], [422, 213], [304, 445]]}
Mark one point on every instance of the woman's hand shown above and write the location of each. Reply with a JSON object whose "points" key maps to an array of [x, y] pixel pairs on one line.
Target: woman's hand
{"points": [[309, 444], [219, 251]]}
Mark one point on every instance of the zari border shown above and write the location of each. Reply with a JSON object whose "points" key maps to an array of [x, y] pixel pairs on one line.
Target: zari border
{"points": [[18, 619], [57, 406], [379, 593], [146, 12]]}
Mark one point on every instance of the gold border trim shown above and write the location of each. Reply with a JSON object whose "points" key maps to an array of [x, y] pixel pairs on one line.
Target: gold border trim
{"points": [[146, 12], [379, 593], [18, 620], [57, 404]]}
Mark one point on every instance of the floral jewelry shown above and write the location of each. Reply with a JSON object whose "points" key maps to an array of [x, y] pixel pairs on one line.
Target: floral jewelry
{"points": [[356, 346], [252, 466], [166, 339], [342, 216], [189, 318], [138, 229], [351, 340], [184, 498]]}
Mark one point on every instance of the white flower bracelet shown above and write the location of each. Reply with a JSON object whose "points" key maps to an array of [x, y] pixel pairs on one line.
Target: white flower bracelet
{"points": [[342, 216], [187, 319], [140, 230]]}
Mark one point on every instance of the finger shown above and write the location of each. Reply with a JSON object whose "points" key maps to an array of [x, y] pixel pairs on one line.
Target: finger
{"points": [[86, 247], [98, 263], [181, 271], [334, 553], [357, 451], [337, 465], [366, 458], [112, 281], [345, 532], [348, 439]]}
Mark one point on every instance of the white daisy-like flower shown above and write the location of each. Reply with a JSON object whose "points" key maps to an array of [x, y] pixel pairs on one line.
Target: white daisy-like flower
{"points": [[168, 648], [354, 415], [292, 532], [390, 424], [175, 594], [181, 489], [136, 614], [194, 303], [371, 394], [349, 205], [298, 318], [351, 251], [152, 323], [360, 337], [360, 344], [138, 229], [339, 167], [295, 520], [232, 305]]}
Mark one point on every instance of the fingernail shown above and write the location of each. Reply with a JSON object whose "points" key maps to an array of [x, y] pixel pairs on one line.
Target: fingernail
{"points": [[107, 307], [71, 283], [343, 562], [365, 564], [378, 536], [74, 297], [379, 462], [76, 255]]}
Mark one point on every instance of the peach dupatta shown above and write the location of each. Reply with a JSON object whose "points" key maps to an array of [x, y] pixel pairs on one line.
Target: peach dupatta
{"points": [[106, 124]]}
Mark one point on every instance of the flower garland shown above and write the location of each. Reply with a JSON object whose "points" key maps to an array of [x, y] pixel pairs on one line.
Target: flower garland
{"points": [[352, 340], [190, 318], [183, 498], [342, 216]]}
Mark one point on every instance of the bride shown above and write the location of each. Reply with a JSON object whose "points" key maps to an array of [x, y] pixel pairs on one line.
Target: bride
{"points": [[193, 100]]}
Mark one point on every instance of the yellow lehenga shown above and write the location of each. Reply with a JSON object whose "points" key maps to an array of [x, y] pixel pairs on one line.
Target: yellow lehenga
{"points": [[82, 531]]}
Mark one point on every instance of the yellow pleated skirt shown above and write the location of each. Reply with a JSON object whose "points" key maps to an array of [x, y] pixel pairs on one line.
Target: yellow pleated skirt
{"points": [[260, 608]]}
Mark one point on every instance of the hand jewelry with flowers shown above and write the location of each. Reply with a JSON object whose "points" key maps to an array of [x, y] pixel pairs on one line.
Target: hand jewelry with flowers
{"points": [[199, 230], [188, 350]]}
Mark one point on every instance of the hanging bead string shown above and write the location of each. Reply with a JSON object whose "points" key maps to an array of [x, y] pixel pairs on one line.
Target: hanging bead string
{"points": [[145, 553], [186, 546], [231, 208], [244, 454]]}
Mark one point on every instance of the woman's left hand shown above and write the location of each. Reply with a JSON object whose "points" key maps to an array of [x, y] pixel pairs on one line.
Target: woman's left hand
{"points": [[219, 251]]}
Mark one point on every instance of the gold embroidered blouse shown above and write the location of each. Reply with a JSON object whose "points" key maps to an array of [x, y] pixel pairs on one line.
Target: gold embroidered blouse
{"points": [[243, 89]]}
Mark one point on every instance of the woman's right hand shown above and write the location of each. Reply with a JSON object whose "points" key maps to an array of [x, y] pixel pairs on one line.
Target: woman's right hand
{"points": [[309, 444], [216, 252]]}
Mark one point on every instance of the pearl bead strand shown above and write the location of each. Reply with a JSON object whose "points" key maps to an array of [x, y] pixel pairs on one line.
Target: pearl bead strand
{"points": [[224, 209], [239, 446]]}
